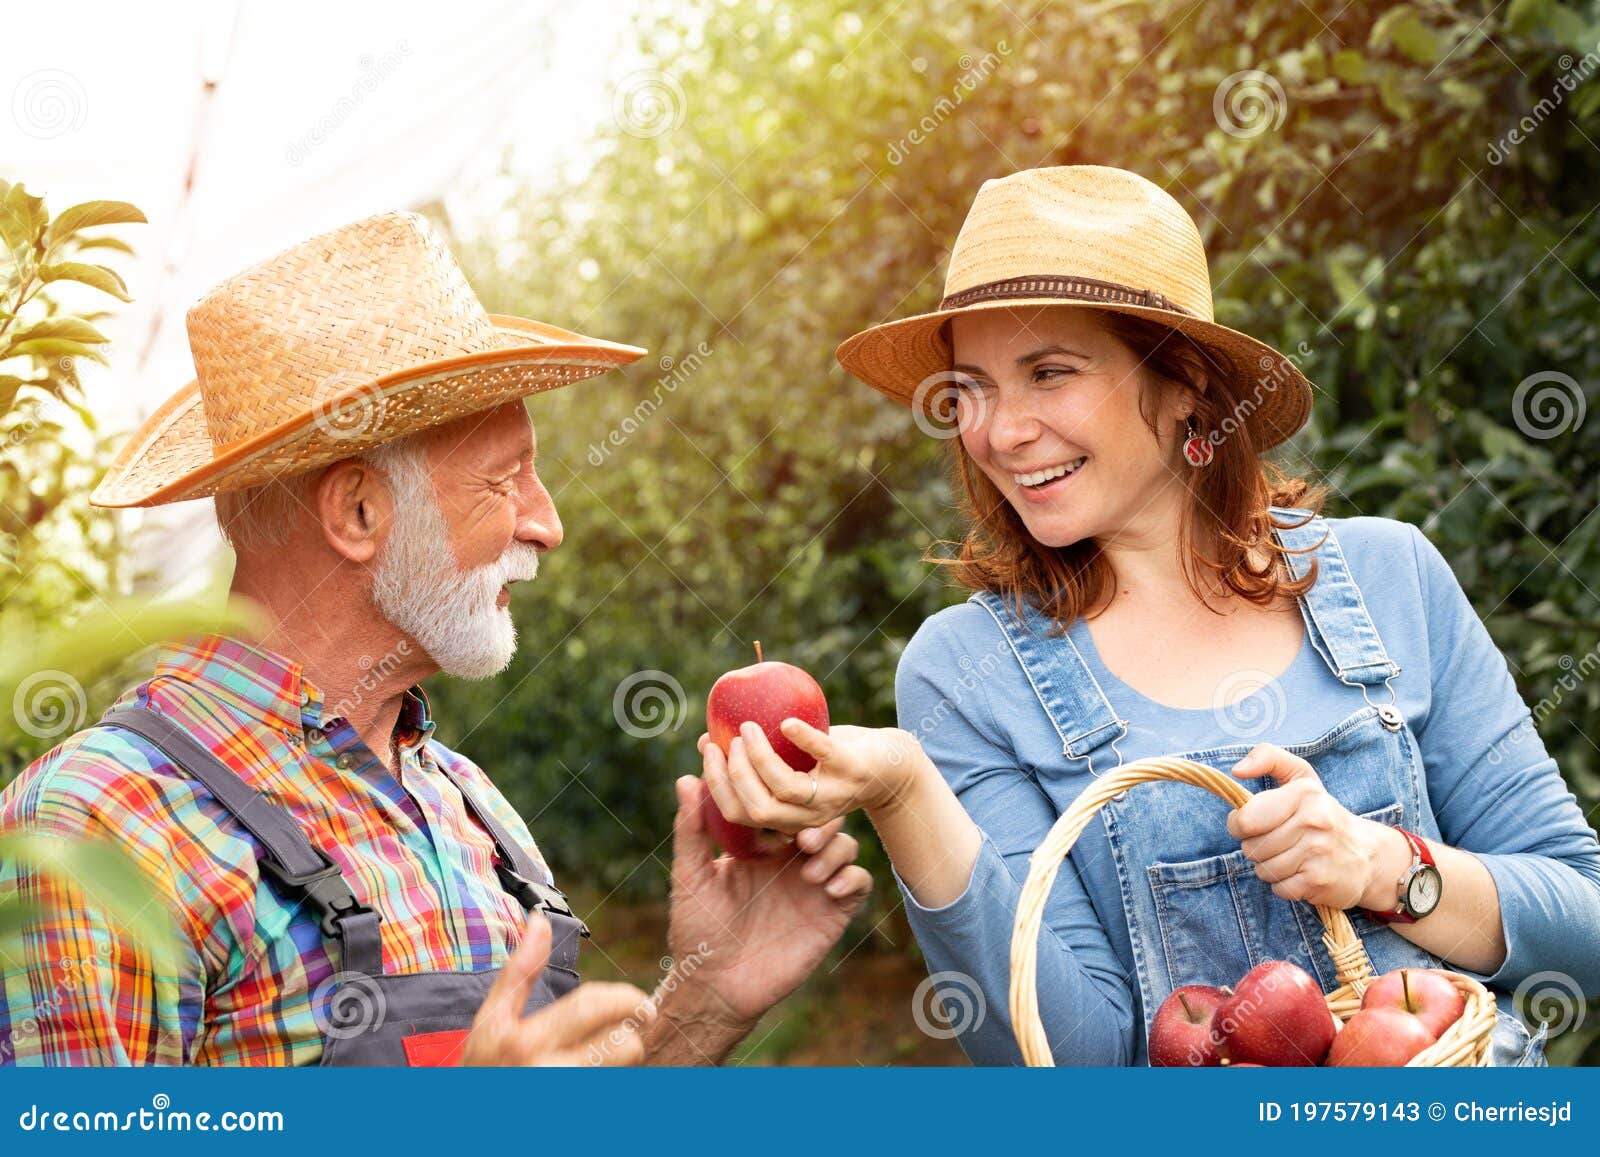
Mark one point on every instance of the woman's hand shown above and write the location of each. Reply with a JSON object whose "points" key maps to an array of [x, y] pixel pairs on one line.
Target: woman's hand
{"points": [[857, 767], [1307, 844]]}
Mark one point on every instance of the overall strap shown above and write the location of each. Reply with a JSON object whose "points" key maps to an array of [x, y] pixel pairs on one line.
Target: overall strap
{"points": [[301, 870], [518, 873], [1336, 616], [1070, 694]]}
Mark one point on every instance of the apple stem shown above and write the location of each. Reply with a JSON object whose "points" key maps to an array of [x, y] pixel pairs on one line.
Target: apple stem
{"points": [[758, 651], [1405, 989], [1187, 1011]]}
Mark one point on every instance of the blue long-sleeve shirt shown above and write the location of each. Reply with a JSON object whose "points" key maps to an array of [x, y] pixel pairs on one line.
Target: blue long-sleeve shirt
{"points": [[1494, 790]]}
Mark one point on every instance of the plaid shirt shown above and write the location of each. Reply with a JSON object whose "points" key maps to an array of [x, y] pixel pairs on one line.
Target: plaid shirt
{"points": [[256, 974]]}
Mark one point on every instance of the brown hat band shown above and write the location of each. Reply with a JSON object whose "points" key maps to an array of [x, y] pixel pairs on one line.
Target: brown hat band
{"points": [[1073, 288]]}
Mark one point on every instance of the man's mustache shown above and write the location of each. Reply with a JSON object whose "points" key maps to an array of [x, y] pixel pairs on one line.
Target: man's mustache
{"points": [[519, 564]]}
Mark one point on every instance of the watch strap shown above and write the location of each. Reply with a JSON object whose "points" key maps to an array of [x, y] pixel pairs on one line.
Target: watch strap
{"points": [[1420, 854]]}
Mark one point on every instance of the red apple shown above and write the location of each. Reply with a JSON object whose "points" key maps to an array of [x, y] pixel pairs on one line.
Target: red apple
{"points": [[765, 694], [1276, 1016], [1431, 995], [1181, 1032], [1380, 1037]]}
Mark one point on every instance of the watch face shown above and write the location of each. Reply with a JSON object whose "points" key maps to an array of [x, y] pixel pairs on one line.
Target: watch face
{"points": [[1422, 894]]}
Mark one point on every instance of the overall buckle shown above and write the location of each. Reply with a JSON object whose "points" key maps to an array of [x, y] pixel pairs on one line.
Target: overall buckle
{"points": [[324, 888], [535, 896]]}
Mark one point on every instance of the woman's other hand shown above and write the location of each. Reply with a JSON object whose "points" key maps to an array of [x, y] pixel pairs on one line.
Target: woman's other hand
{"points": [[1307, 844], [857, 767]]}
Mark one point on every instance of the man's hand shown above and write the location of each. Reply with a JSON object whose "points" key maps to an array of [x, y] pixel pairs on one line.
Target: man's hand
{"points": [[595, 1024], [745, 933]]}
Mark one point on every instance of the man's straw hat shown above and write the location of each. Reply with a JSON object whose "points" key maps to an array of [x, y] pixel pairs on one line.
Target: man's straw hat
{"points": [[346, 341], [1088, 236]]}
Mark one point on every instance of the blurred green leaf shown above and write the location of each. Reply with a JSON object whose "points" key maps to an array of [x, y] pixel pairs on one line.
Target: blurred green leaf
{"points": [[111, 880]]}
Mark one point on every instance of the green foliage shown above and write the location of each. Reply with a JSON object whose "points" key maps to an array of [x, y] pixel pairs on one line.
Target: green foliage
{"points": [[62, 630], [800, 176], [57, 553]]}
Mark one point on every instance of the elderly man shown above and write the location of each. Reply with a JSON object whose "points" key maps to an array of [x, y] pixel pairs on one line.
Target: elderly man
{"points": [[348, 890]]}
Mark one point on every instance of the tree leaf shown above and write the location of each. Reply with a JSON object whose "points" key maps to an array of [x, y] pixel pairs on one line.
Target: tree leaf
{"points": [[92, 213], [51, 348], [99, 276], [1403, 27], [9, 385], [22, 217], [71, 328], [106, 242], [1391, 90], [1349, 66]]}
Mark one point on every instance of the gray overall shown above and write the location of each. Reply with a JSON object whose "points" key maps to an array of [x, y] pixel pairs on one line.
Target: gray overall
{"points": [[373, 1019]]}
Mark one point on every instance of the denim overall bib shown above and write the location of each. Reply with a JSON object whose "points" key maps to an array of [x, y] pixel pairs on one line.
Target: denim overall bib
{"points": [[1196, 911], [372, 1018]]}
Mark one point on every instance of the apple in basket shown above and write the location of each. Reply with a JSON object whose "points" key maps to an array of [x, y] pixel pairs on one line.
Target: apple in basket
{"points": [[765, 693], [1425, 992], [1276, 1016], [1379, 1036], [1181, 1033]]}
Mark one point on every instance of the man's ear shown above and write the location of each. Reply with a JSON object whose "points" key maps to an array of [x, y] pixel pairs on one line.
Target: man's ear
{"points": [[353, 506]]}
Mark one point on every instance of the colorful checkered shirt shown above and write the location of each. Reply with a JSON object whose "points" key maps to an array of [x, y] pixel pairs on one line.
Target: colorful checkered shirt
{"points": [[255, 977]]}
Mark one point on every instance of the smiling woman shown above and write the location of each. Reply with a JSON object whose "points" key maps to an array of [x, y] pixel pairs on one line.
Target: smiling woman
{"points": [[1129, 390], [1142, 582]]}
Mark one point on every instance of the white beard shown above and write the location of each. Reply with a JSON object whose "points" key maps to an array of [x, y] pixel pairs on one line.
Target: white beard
{"points": [[418, 587]]}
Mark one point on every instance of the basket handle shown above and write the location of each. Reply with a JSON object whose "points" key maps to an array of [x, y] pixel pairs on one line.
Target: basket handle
{"points": [[1343, 945]]}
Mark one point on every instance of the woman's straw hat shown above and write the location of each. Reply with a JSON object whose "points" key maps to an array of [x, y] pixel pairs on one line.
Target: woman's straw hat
{"points": [[1079, 235], [346, 341]]}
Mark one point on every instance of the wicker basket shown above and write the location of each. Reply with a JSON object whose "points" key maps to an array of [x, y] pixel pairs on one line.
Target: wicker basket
{"points": [[1464, 1043]]}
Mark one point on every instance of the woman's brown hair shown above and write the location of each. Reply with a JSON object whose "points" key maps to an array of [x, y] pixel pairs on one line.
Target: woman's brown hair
{"points": [[1227, 524]]}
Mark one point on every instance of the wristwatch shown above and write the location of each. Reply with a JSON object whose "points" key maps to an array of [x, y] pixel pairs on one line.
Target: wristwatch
{"points": [[1420, 886]]}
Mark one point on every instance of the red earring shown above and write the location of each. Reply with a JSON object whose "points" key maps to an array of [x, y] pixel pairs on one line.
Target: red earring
{"points": [[1197, 451]]}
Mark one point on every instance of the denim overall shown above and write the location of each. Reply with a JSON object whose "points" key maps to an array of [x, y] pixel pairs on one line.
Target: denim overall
{"points": [[372, 1018], [1196, 911]]}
